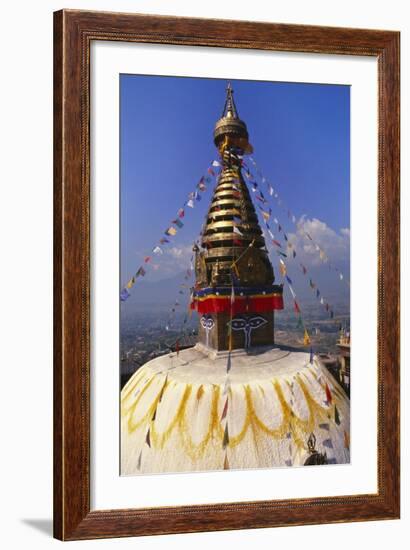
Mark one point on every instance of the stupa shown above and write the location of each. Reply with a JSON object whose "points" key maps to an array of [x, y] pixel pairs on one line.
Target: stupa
{"points": [[235, 400]]}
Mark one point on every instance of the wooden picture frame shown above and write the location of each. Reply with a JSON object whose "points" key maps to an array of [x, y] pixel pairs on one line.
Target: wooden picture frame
{"points": [[74, 32]]}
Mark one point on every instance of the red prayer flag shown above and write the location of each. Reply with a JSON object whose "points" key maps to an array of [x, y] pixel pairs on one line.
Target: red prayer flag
{"points": [[328, 394]]}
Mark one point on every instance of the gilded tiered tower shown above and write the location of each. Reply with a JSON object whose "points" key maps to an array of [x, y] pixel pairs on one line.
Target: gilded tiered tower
{"points": [[235, 294]]}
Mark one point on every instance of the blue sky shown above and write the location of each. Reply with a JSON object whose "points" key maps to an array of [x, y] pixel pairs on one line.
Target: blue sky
{"points": [[301, 139]]}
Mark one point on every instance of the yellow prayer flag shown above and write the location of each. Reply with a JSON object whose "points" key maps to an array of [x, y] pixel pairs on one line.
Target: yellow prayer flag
{"points": [[171, 231], [130, 282], [306, 339]]}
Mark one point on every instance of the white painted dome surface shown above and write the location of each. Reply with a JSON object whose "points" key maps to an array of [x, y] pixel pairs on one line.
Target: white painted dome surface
{"points": [[172, 413]]}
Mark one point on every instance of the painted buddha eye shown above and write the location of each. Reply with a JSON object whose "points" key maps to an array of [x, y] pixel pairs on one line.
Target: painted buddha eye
{"points": [[207, 322], [256, 322], [238, 324]]}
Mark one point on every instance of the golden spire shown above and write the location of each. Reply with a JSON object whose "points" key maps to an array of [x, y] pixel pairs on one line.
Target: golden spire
{"points": [[230, 130], [232, 238]]}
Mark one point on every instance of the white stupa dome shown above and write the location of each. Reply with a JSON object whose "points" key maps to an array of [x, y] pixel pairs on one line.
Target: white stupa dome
{"points": [[183, 412]]}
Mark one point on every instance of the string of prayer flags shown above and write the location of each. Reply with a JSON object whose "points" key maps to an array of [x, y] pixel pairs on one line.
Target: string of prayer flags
{"points": [[299, 225]]}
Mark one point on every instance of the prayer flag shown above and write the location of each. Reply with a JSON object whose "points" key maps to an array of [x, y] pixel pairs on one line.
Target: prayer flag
{"points": [[270, 190], [294, 253], [178, 223], [341, 276], [306, 339], [171, 231], [141, 271], [346, 440], [311, 356], [236, 219], [210, 171], [157, 250], [317, 293], [228, 364], [296, 307], [289, 280], [292, 292], [181, 213], [282, 268], [131, 282], [299, 323], [139, 461], [337, 417], [265, 215], [147, 259], [277, 243], [225, 441], [236, 230], [163, 240], [311, 283], [237, 242], [225, 409], [190, 203], [216, 163], [328, 394], [124, 295]]}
